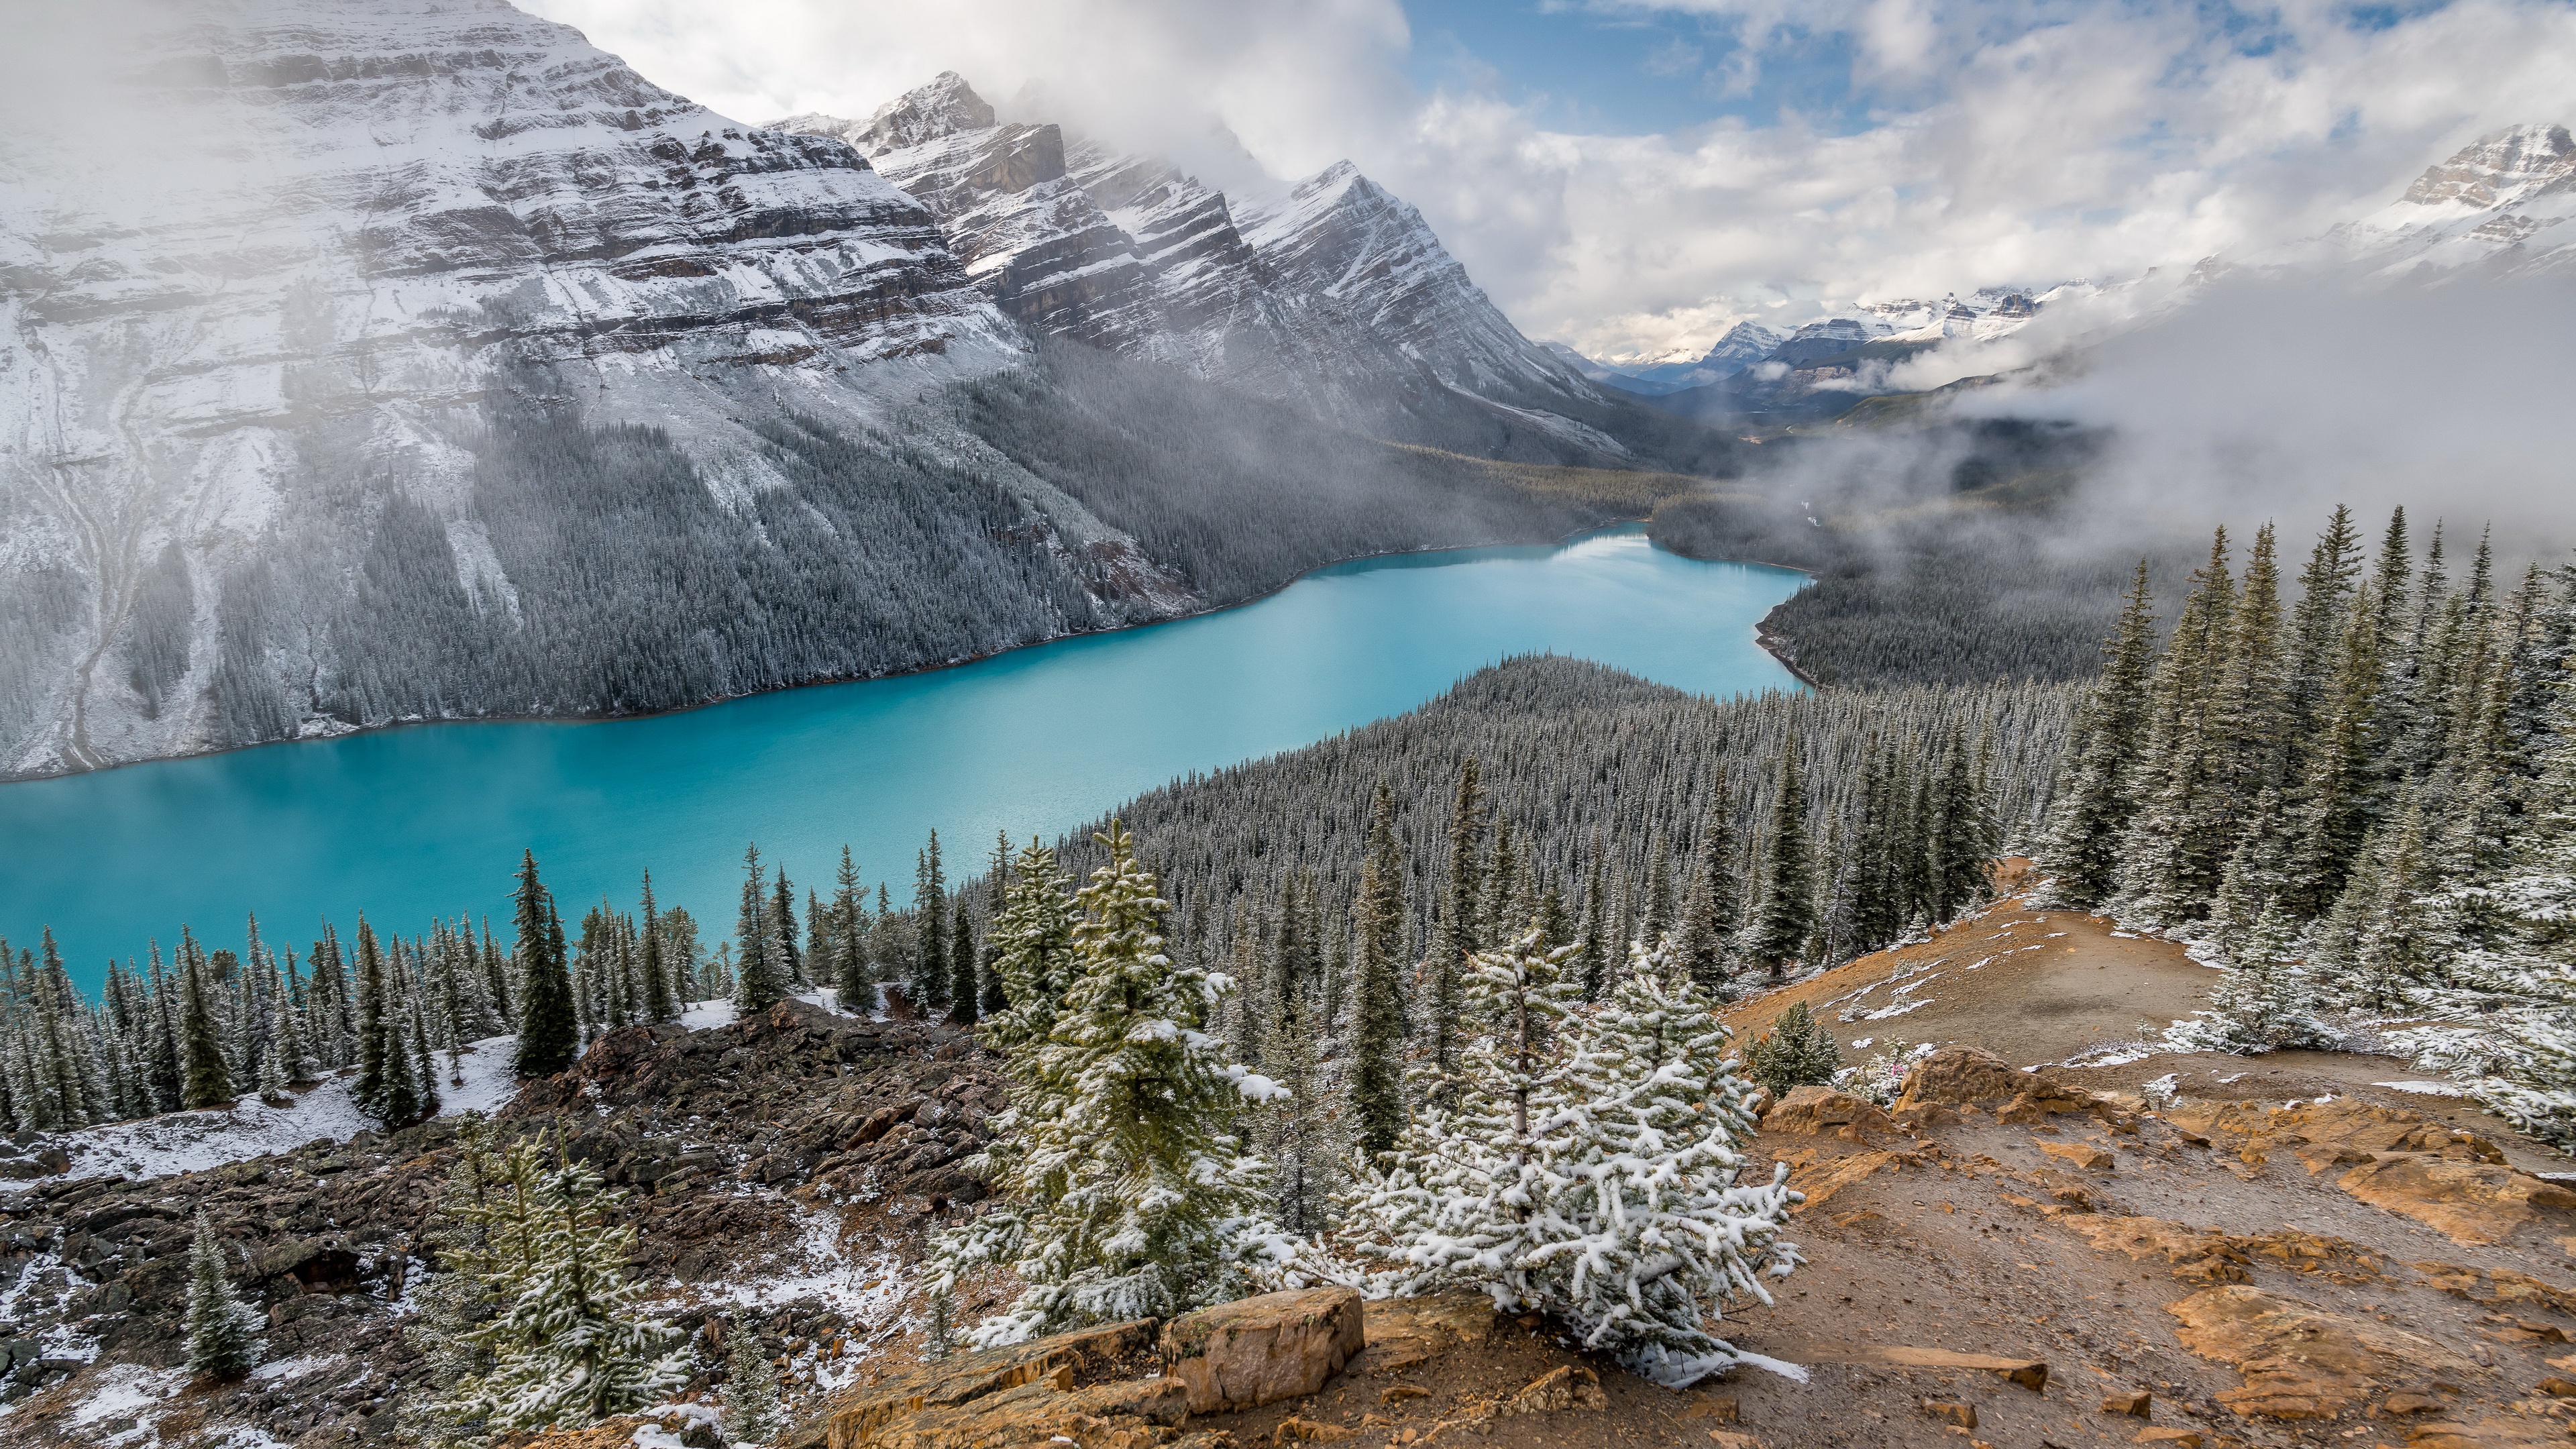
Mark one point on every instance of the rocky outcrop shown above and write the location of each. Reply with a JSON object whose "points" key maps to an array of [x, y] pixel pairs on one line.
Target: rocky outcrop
{"points": [[1820, 1111], [2469, 1202], [2303, 1362], [1072, 1384], [1260, 1350], [1972, 1077]]}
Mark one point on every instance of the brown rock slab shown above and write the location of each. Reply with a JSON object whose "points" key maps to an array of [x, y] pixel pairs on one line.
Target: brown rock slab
{"points": [[2299, 1361], [1571, 1387], [1128, 1414], [1053, 1364], [1820, 1176], [2083, 1154], [1731, 1439], [1950, 1411], [2487, 1434], [1260, 1350], [2209, 1256], [1822, 1111], [2178, 1437], [2464, 1199], [1721, 1407], [1398, 1393], [1293, 1430], [1403, 1332], [2136, 1403]]}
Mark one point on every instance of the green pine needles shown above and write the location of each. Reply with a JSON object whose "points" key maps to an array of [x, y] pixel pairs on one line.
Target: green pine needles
{"points": [[1796, 1052], [1129, 1193], [223, 1331], [565, 1344], [1586, 1165]]}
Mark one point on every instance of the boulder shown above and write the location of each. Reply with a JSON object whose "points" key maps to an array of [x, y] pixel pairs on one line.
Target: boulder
{"points": [[1260, 1350], [2301, 1362], [2134, 1403], [1972, 1077], [1817, 1111], [1950, 1411]]}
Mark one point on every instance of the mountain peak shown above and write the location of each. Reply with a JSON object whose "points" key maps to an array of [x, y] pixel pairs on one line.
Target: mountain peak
{"points": [[944, 107], [2499, 167]]}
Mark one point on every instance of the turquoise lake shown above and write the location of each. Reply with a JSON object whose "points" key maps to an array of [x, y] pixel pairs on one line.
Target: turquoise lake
{"points": [[412, 823]]}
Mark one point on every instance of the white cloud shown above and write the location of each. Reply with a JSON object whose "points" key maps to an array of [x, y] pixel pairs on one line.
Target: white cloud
{"points": [[2004, 140]]}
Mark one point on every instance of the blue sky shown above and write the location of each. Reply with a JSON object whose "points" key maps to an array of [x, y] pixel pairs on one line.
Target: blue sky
{"points": [[1631, 73]]}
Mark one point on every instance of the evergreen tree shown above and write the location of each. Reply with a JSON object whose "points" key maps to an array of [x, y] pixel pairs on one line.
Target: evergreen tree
{"points": [[1377, 940], [661, 1003], [751, 1388], [1454, 940], [207, 1081], [1787, 915], [1710, 918], [1033, 944], [2094, 800], [1129, 1197], [1796, 1052], [759, 981], [930, 920], [566, 1343], [853, 979], [549, 1035], [1588, 1168], [223, 1331], [965, 993], [784, 955]]}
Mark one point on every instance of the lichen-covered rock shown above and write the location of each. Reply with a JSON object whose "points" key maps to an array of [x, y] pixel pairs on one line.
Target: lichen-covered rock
{"points": [[1260, 1350]]}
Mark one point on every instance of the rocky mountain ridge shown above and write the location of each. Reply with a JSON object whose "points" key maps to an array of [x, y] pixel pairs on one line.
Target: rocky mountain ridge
{"points": [[1332, 293]]}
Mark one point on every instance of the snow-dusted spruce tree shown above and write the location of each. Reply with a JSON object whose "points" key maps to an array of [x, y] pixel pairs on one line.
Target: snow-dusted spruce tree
{"points": [[1588, 1167], [2520, 1059], [751, 1388], [1126, 1193], [2266, 1001], [1655, 1231], [1796, 1052], [565, 1344], [223, 1331]]}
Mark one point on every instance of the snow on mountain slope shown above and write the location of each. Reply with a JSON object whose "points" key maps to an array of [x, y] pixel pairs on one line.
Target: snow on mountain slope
{"points": [[2500, 206], [269, 300], [1331, 293]]}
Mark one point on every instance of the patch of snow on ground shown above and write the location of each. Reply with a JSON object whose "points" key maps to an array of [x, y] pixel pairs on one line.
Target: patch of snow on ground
{"points": [[709, 1015], [1795, 1373], [296, 1368], [2425, 1089], [126, 1391], [866, 1286], [195, 1141], [2223, 1081]]}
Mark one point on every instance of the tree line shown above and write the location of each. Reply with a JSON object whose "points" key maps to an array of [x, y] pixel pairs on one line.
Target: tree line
{"points": [[2361, 793]]}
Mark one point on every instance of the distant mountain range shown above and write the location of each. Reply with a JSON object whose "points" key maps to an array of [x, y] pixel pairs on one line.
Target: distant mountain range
{"points": [[2500, 207]]}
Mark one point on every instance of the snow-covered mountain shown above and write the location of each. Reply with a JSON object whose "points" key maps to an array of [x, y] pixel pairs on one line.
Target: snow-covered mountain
{"points": [[1332, 292], [2498, 207]]}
